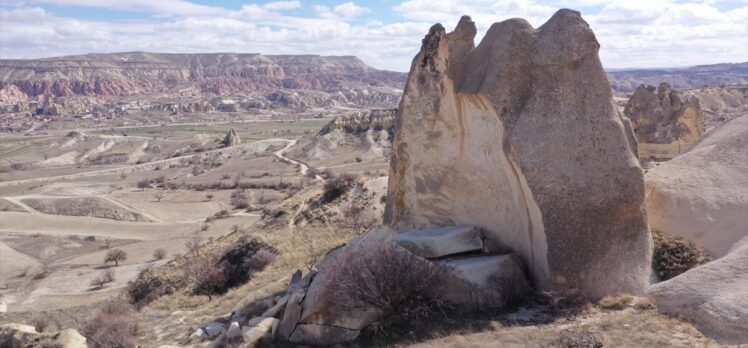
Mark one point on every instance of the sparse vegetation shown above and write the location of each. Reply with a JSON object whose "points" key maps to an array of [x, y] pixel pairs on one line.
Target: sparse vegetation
{"points": [[336, 186], [579, 336], [356, 219], [159, 254], [673, 256], [194, 244]]}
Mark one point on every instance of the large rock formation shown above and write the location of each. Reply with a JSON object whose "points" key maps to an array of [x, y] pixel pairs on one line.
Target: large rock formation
{"points": [[521, 137], [712, 296], [660, 116], [231, 139], [702, 195]]}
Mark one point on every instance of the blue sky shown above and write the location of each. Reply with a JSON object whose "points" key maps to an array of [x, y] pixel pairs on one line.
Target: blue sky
{"points": [[385, 33]]}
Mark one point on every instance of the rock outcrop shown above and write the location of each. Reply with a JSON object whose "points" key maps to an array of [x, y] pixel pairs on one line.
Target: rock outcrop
{"points": [[702, 195], [231, 139], [712, 296], [12, 95], [660, 116], [23, 336], [520, 136]]}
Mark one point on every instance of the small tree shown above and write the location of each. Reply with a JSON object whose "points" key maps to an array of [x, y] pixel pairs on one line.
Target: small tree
{"points": [[159, 254], [207, 277], [115, 255], [107, 276], [209, 197], [194, 245], [159, 196]]}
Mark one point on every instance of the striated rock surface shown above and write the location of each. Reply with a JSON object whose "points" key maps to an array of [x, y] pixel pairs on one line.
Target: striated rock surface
{"points": [[712, 296], [702, 195], [661, 116], [214, 73], [520, 136]]}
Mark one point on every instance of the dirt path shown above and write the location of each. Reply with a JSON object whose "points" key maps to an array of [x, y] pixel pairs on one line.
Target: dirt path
{"points": [[303, 167], [17, 201]]}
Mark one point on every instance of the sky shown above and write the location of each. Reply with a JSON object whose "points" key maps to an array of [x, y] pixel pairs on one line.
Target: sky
{"points": [[384, 33]]}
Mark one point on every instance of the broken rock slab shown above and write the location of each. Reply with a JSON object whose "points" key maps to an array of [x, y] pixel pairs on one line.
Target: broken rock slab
{"points": [[437, 242], [482, 282], [264, 327]]}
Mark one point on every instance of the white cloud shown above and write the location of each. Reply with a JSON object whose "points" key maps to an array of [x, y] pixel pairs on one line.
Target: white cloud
{"points": [[345, 10], [632, 33], [282, 5]]}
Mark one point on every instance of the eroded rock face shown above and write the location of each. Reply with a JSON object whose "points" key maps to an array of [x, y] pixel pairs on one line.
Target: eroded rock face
{"points": [[661, 116], [520, 136]]}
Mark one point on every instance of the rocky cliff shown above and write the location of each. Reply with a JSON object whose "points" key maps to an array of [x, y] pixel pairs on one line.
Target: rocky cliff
{"points": [[520, 136], [215, 73]]}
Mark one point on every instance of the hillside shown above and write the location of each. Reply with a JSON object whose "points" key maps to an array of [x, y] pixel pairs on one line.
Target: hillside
{"points": [[680, 78], [211, 73]]}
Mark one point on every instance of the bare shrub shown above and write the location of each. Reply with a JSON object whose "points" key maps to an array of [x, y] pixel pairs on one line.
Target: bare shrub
{"points": [[673, 256], [115, 255], [41, 324], [159, 254], [239, 200], [207, 277], [143, 184], [382, 277], [246, 257], [194, 244], [335, 187], [208, 196], [114, 326], [90, 239], [578, 336], [159, 196]]}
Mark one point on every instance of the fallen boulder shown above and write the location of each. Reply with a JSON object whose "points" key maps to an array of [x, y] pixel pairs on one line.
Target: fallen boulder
{"points": [[441, 241], [22, 336]]}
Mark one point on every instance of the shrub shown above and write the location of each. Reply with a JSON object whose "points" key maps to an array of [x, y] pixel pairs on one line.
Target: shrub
{"points": [[336, 186], [90, 239], [159, 254], [356, 219], [115, 255], [207, 277], [208, 196], [113, 326], [239, 200], [149, 286], [673, 256], [244, 259], [143, 184], [383, 277]]}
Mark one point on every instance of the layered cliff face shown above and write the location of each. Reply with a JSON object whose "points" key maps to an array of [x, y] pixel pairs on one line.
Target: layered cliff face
{"points": [[219, 73], [521, 137], [661, 116]]}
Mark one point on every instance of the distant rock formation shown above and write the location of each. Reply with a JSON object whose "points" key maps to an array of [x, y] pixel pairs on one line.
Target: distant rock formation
{"points": [[660, 116], [12, 95], [231, 139], [213, 73], [521, 137], [368, 133], [680, 78], [702, 195]]}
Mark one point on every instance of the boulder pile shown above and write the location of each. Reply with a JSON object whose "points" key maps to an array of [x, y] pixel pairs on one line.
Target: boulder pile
{"points": [[22, 336]]}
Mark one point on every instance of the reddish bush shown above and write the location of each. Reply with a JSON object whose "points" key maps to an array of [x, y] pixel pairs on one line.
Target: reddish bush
{"points": [[113, 326]]}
